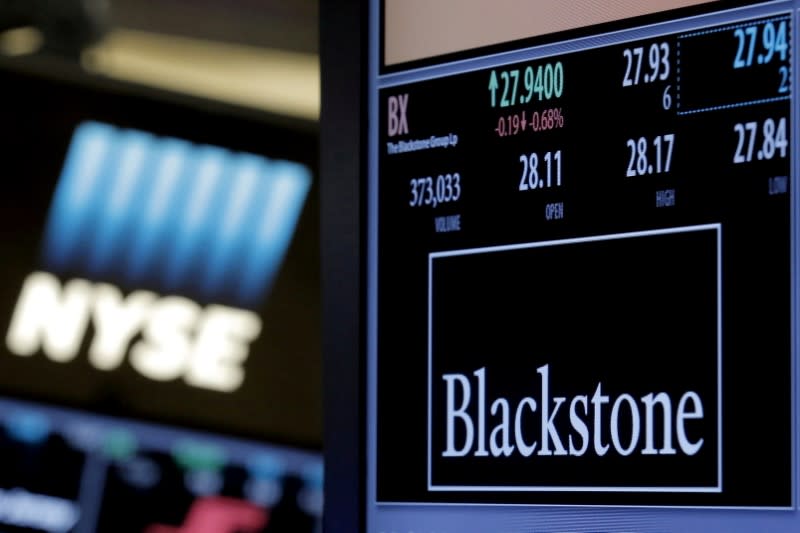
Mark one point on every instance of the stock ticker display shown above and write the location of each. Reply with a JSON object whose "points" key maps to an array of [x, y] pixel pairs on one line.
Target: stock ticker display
{"points": [[66, 471], [584, 284]]}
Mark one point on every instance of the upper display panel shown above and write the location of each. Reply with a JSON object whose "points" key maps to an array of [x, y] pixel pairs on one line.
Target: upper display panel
{"points": [[416, 29], [581, 265]]}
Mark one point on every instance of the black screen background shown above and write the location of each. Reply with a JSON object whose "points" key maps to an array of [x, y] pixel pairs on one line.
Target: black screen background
{"points": [[600, 117]]}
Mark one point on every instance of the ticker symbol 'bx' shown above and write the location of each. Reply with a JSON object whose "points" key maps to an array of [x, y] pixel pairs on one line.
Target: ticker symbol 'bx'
{"points": [[218, 515], [398, 115]]}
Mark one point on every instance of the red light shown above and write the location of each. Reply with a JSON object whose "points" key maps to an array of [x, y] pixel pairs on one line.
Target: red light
{"points": [[218, 515]]}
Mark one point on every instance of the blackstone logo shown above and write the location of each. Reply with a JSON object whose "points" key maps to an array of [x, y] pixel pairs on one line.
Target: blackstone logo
{"points": [[585, 365], [547, 424], [196, 234]]}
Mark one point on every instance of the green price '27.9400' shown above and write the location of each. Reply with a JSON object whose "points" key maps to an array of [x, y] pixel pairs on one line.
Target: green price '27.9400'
{"points": [[542, 82]]}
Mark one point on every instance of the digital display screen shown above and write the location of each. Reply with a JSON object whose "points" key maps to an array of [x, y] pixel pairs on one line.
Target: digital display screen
{"points": [[159, 357], [581, 274], [71, 471]]}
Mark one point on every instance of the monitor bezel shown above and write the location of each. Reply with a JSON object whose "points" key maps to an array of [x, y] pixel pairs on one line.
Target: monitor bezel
{"points": [[343, 44]]}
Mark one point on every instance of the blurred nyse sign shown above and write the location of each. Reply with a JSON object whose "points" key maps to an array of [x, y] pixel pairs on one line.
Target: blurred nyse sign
{"points": [[197, 232]]}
